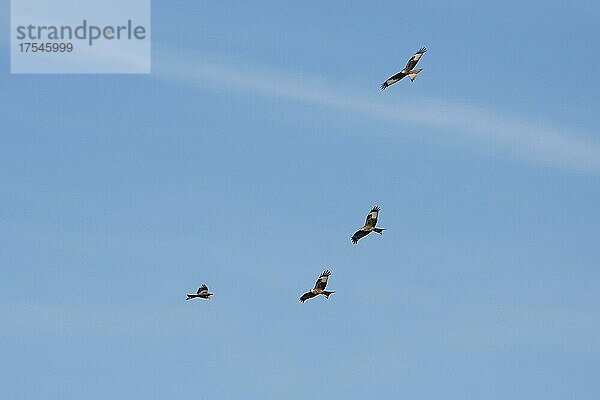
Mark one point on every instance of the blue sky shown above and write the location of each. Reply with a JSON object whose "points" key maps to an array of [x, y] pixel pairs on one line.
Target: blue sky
{"points": [[247, 159]]}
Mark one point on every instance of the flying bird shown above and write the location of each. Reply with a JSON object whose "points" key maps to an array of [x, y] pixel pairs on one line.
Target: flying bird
{"points": [[319, 288], [408, 70], [369, 226], [202, 293]]}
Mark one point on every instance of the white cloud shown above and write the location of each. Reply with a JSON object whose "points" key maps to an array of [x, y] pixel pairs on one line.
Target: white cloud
{"points": [[532, 140]]}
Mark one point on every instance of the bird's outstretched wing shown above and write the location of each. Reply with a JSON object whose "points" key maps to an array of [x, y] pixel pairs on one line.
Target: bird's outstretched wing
{"points": [[306, 296], [393, 79], [372, 217], [322, 281], [202, 288], [359, 235], [412, 62]]}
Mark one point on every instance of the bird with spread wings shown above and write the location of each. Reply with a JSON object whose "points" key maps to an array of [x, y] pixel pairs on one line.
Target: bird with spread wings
{"points": [[408, 70], [201, 293], [369, 226], [319, 288]]}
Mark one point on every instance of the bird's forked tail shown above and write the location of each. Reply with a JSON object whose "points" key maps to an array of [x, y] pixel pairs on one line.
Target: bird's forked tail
{"points": [[413, 74], [379, 230], [326, 293]]}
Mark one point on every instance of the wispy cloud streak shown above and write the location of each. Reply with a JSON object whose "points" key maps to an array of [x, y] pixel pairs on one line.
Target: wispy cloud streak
{"points": [[531, 140]]}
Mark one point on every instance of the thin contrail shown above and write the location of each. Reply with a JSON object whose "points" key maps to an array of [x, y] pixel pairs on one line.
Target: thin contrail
{"points": [[534, 141]]}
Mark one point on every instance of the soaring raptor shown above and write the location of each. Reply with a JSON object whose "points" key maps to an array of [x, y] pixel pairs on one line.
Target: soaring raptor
{"points": [[202, 293], [408, 70], [369, 225], [319, 288]]}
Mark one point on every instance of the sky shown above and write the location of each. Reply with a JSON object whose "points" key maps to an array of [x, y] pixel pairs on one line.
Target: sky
{"points": [[247, 159]]}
